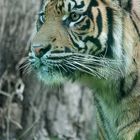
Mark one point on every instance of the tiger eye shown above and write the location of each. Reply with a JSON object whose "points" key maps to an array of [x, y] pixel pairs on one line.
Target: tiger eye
{"points": [[74, 16]]}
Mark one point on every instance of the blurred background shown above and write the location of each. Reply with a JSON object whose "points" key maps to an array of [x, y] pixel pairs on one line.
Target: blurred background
{"points": [[30, 110]]}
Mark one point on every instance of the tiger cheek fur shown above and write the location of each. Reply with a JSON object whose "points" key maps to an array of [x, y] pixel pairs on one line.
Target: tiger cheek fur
{"points": [[97, 43]]}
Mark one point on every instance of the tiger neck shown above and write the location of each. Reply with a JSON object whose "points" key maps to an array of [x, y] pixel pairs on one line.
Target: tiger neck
{"points": [[112, 97], [112, 91], [105, 89]]}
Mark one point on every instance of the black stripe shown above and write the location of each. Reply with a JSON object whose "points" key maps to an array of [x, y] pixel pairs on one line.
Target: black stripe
{"points": [[69, 7], [75, 37], [110, 39], [93, 3], [122, 92], [86, 26], [127, 5], [99, 23], [81, 5], [82, 20], [94, 40], [75, 44], [88, 12], [134, 23], [60, 7], [103, 119], [103, 1], [80, 33], [127, 85], [135, 121]]}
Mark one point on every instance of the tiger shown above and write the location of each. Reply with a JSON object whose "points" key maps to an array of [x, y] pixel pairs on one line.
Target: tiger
{"points": [[96, 43]]}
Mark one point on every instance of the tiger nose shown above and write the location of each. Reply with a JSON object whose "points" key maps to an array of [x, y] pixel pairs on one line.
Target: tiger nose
{"points": [[40, 50]]}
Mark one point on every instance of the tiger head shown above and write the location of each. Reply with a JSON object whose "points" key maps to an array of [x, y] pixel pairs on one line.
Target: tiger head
{"points": [[76, 38]]}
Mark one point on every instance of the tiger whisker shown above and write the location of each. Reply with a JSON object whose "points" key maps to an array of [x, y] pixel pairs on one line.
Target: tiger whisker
{"points": [[27, 69], [83, 70], [105, 71], [23, 65], [106, 64], [92, 56], [100, 59], [93, 71], [108, 67], [69, 68], [95, 58], [57, 65], [84, 61], [63, 67]]}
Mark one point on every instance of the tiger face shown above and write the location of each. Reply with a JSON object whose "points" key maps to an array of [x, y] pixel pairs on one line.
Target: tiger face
{"points": [[76, 37]]}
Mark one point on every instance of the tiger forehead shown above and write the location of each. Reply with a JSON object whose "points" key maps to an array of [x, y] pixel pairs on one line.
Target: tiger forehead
{"points": [[68, 5]]}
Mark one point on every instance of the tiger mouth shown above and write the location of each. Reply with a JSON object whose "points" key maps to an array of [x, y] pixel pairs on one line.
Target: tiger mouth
{"points": [[58, 55], [55, 59], [52, 63], [49, 58]]}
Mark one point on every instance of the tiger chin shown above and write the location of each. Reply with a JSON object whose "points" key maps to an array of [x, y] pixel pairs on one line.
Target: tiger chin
{"points": [[95, 42]]}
